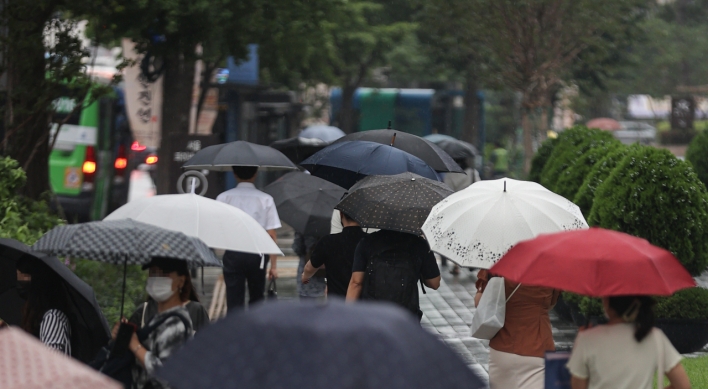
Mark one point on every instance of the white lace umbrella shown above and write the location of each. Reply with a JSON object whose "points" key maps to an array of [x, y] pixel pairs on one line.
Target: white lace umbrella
{"points": [[219, 225], [478, 225]]}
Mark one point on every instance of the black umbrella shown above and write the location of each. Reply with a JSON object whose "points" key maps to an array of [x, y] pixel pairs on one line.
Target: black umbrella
{"points": [[125, 242], [336, 345], [413, 144], [400, 203], [458, 149], [298, 149], [88, 324], [240, 153], [345, 163], [305, 202]]}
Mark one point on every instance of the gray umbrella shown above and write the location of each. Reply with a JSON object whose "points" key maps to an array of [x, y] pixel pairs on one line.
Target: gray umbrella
{"points": [[458, 149], [399, 203], [305, 202], [240, 153], [337, 345]]}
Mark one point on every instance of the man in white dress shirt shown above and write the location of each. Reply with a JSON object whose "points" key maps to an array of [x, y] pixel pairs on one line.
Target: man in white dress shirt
{"points": [[239, 267]]}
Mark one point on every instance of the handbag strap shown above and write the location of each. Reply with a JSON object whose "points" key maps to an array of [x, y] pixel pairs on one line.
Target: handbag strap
{"points": [[660, 359], [512, 293]]}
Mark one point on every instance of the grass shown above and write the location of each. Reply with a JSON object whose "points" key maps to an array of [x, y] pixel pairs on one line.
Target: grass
{"points": [[697, 369]]}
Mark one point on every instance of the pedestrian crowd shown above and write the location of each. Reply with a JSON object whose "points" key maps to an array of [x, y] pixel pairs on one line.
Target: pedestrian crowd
{"points": [[381, 247]]}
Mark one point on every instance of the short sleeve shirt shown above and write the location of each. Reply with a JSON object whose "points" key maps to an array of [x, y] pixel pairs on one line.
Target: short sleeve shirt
{"points": [[385, 239], [257, 204], [336, 252], [609, 356]]}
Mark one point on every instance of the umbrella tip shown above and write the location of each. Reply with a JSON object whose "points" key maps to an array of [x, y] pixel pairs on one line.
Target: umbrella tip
{"points": [[504, 186], [413, 179], [393, 139], [389, 125]]}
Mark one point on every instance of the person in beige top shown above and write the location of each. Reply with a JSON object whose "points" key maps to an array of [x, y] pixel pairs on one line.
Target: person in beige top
{"points": [[626, 352]]}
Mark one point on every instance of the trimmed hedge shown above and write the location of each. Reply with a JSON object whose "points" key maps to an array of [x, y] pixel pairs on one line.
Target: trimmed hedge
{"points": [[697, 155], [540, 158], [571, 179], [654, 195], [689, 303], [572, 144]]}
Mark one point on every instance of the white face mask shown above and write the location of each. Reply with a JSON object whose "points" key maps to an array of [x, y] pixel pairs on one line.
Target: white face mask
{"points": [[160, 288]]}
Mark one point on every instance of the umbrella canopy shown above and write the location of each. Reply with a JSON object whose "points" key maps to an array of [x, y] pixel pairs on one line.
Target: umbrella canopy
{"points": [[298, 149], [88, 324], [435, 138], [305, 202], [323, 132], [595, 262], [424, 149], [219, 225], [400, 203], [458, 149], [124, 242], [360, 346], [476, 226], [604, 124], [25, 363], [240, 153], [345, 163]]}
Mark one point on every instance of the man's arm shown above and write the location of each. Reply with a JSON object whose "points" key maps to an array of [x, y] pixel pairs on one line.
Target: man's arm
{"points": [[432, 283], [309, 271], [355, 284], [273, 272], [578, 383]]}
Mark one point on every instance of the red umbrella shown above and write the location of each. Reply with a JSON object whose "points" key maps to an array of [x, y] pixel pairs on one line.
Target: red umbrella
{"points": [[594, 262]]}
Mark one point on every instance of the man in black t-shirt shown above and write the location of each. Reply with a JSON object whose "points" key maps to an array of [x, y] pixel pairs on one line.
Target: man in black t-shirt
{"points": [[336, 253], [388, 266]]}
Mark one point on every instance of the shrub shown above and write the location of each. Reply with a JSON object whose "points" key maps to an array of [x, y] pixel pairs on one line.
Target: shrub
{"points": [[586, 193], [689, 303], [540, 159], [654, 195], [570, 180], [588, 306], [572, 143], [697, 154]]}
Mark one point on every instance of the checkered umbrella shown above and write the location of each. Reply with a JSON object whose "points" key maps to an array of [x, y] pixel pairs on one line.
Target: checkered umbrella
{"points": [[124, 242], [400, 203]]}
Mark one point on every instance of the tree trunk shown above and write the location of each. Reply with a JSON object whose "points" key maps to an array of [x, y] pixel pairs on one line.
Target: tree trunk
{"points": [[470, 129], [27, 107], [527, 126], [346, 113], [176, 104]]}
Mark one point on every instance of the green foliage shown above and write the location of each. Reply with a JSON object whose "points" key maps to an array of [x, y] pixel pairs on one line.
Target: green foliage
{"points": [[541, 158], [654, 195], [591, 306], [586, 193], [107, 282], [21, 218], [689, 303], [571, 179], [697, 155], [572, 298], [572, 144]]}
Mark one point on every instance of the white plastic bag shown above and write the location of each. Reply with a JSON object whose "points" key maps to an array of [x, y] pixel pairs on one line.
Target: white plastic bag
{"points": [[491, 312]]}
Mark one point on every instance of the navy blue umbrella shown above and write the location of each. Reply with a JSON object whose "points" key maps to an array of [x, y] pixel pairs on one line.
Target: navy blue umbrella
{"points": [[337, 345], [345, 163]]}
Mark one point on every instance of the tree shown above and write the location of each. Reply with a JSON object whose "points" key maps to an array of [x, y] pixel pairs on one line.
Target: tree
{"points": [[534, 42], [697, 155]]}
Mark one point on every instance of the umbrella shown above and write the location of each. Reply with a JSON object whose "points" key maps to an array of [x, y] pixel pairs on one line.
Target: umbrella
{"points": [[298, 149], [435, 138], [477, 225], [345, 163], [323, 132], [335, 345], [89, 324], [458, 149], [305, 202], [240, 153], [401, 202], [604, 124], [426, 150], [25, 363], [217, 224], [10, 301], [595, 262]]}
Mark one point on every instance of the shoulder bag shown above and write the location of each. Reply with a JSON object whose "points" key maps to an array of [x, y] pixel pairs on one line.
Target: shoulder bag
{"points": [[489, 317]]}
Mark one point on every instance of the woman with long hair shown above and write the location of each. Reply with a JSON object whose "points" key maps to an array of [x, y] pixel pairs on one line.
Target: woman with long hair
{"points": [[626, 352], [45, 313]]}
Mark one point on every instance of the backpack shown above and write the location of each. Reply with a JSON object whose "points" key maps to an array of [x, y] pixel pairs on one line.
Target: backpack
{"points": [[121, 368], [393, 275]]}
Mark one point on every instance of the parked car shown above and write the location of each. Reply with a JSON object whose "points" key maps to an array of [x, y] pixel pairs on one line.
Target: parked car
{"points": [[635, 132]]}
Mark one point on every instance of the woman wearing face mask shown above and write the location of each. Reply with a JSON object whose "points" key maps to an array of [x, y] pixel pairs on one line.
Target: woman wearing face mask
{"points": [[45, 314], [170, 286], [626, 352]]}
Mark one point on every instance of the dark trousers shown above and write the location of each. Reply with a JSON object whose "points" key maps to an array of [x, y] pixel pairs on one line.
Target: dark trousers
{"points": [[238, 269]]}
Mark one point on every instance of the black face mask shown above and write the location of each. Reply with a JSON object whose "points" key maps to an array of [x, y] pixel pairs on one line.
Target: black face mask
{"points": [[23, 288]]}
